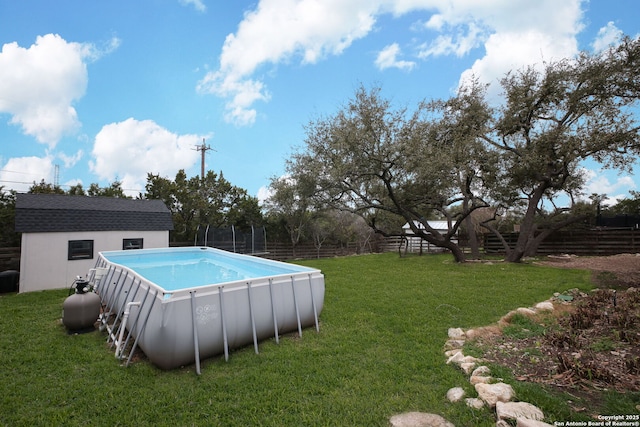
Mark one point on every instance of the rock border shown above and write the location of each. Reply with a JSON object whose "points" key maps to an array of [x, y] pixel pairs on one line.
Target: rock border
{"points": [[491, 392]]}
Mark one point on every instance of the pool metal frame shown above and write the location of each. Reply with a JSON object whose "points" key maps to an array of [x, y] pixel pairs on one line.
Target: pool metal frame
{"points": [[128, 301]]}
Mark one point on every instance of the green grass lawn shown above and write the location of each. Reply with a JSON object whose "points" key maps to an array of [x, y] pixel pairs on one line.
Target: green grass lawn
{"points": [[379, 352]]}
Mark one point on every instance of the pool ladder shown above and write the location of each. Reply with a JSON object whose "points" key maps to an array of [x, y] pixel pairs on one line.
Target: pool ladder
{"points": [[109, 283]]}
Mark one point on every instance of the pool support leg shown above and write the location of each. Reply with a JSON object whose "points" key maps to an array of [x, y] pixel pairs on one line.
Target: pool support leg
{"points": [[224, 325], [135, 342], [313, 303], [273, 310], [253, 320], [295, 304], [195, 331]]}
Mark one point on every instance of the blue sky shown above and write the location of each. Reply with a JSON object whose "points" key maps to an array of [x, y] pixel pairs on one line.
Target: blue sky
{"points": [[106, 90]]}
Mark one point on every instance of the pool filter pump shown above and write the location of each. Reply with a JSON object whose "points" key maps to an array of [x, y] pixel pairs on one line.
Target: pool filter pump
{"points": [[81, 309]]}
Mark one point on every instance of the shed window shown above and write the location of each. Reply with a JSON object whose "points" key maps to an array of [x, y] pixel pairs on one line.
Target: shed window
{"points": [[132, 243], [80, 249]]}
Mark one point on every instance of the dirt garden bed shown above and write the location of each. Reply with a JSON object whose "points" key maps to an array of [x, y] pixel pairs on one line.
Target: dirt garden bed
{"points": [[608, 271], [591, 342]]}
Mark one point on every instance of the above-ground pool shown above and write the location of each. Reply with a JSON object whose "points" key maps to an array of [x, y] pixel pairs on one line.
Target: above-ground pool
{"points": [[181, 305]]}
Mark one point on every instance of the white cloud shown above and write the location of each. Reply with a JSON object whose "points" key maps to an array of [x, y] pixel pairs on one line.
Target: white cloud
{"points": [[512, 51], [243, 94], [599, 183], [70, 161], [526, 33], [128, 150], [276, 31], [514, 33], [458, 44], [73, 182], [39, 84], [264, 193], [19, 173], [197, 4], [388, 58], [607, 36]]}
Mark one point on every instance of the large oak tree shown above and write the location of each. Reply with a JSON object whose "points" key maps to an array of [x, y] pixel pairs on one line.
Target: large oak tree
{"points": [[446, 159], [375, 160], [554, 119]]}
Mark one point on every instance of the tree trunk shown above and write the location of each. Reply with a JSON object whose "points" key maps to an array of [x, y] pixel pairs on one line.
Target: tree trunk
{"points": [[470, 226], [455, 249], [505, 244], [527, 227], [534, 242], [473, 238], [457, 253]]}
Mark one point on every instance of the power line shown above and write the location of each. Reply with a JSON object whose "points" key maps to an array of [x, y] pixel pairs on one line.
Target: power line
{"points": [[6, 181], [15, 182], [20, 172]]}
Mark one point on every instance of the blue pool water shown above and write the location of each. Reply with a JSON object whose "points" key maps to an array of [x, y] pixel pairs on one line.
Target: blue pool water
{"points": [[182, 268]]}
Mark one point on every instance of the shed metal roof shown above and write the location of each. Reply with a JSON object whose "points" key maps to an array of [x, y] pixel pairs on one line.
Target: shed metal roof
{"points": [[38, 213], [437, 225]]}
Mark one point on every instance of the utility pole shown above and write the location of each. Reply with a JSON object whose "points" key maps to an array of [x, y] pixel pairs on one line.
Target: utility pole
{"points": [[56, 175], [203, 149]]}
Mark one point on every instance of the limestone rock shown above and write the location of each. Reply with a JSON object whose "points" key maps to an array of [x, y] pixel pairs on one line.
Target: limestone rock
{"points": [[419, 419], [502, 423], [481, 371], [474, 402], [453, 344], [450, 353], [483, 331], [455, 394], [515, 410], [478, 379], [544, 306], [456, 333], [524, 422], [471, 334], [525, 311], [456, 358], [506, 319], [469, 359], [467, 367], [493, 393]]}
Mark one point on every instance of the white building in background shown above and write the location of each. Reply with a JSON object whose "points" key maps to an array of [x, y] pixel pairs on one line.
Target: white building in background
{"points": [[62, 235], [417, 244]]}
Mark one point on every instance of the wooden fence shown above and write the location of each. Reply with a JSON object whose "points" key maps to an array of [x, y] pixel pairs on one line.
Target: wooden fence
{"points": [[400, 244], [10, 258], [609, 241]]}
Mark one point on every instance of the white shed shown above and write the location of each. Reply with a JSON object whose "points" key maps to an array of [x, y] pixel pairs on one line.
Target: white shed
{"points": [[62, 235], [417, 244]]}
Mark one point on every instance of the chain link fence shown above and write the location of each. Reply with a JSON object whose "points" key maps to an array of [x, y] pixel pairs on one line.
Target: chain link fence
{"points": [[232, 239]]}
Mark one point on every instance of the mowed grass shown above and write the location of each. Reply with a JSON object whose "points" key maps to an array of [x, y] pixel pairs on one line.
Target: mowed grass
{"points": [[379, 352]]}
